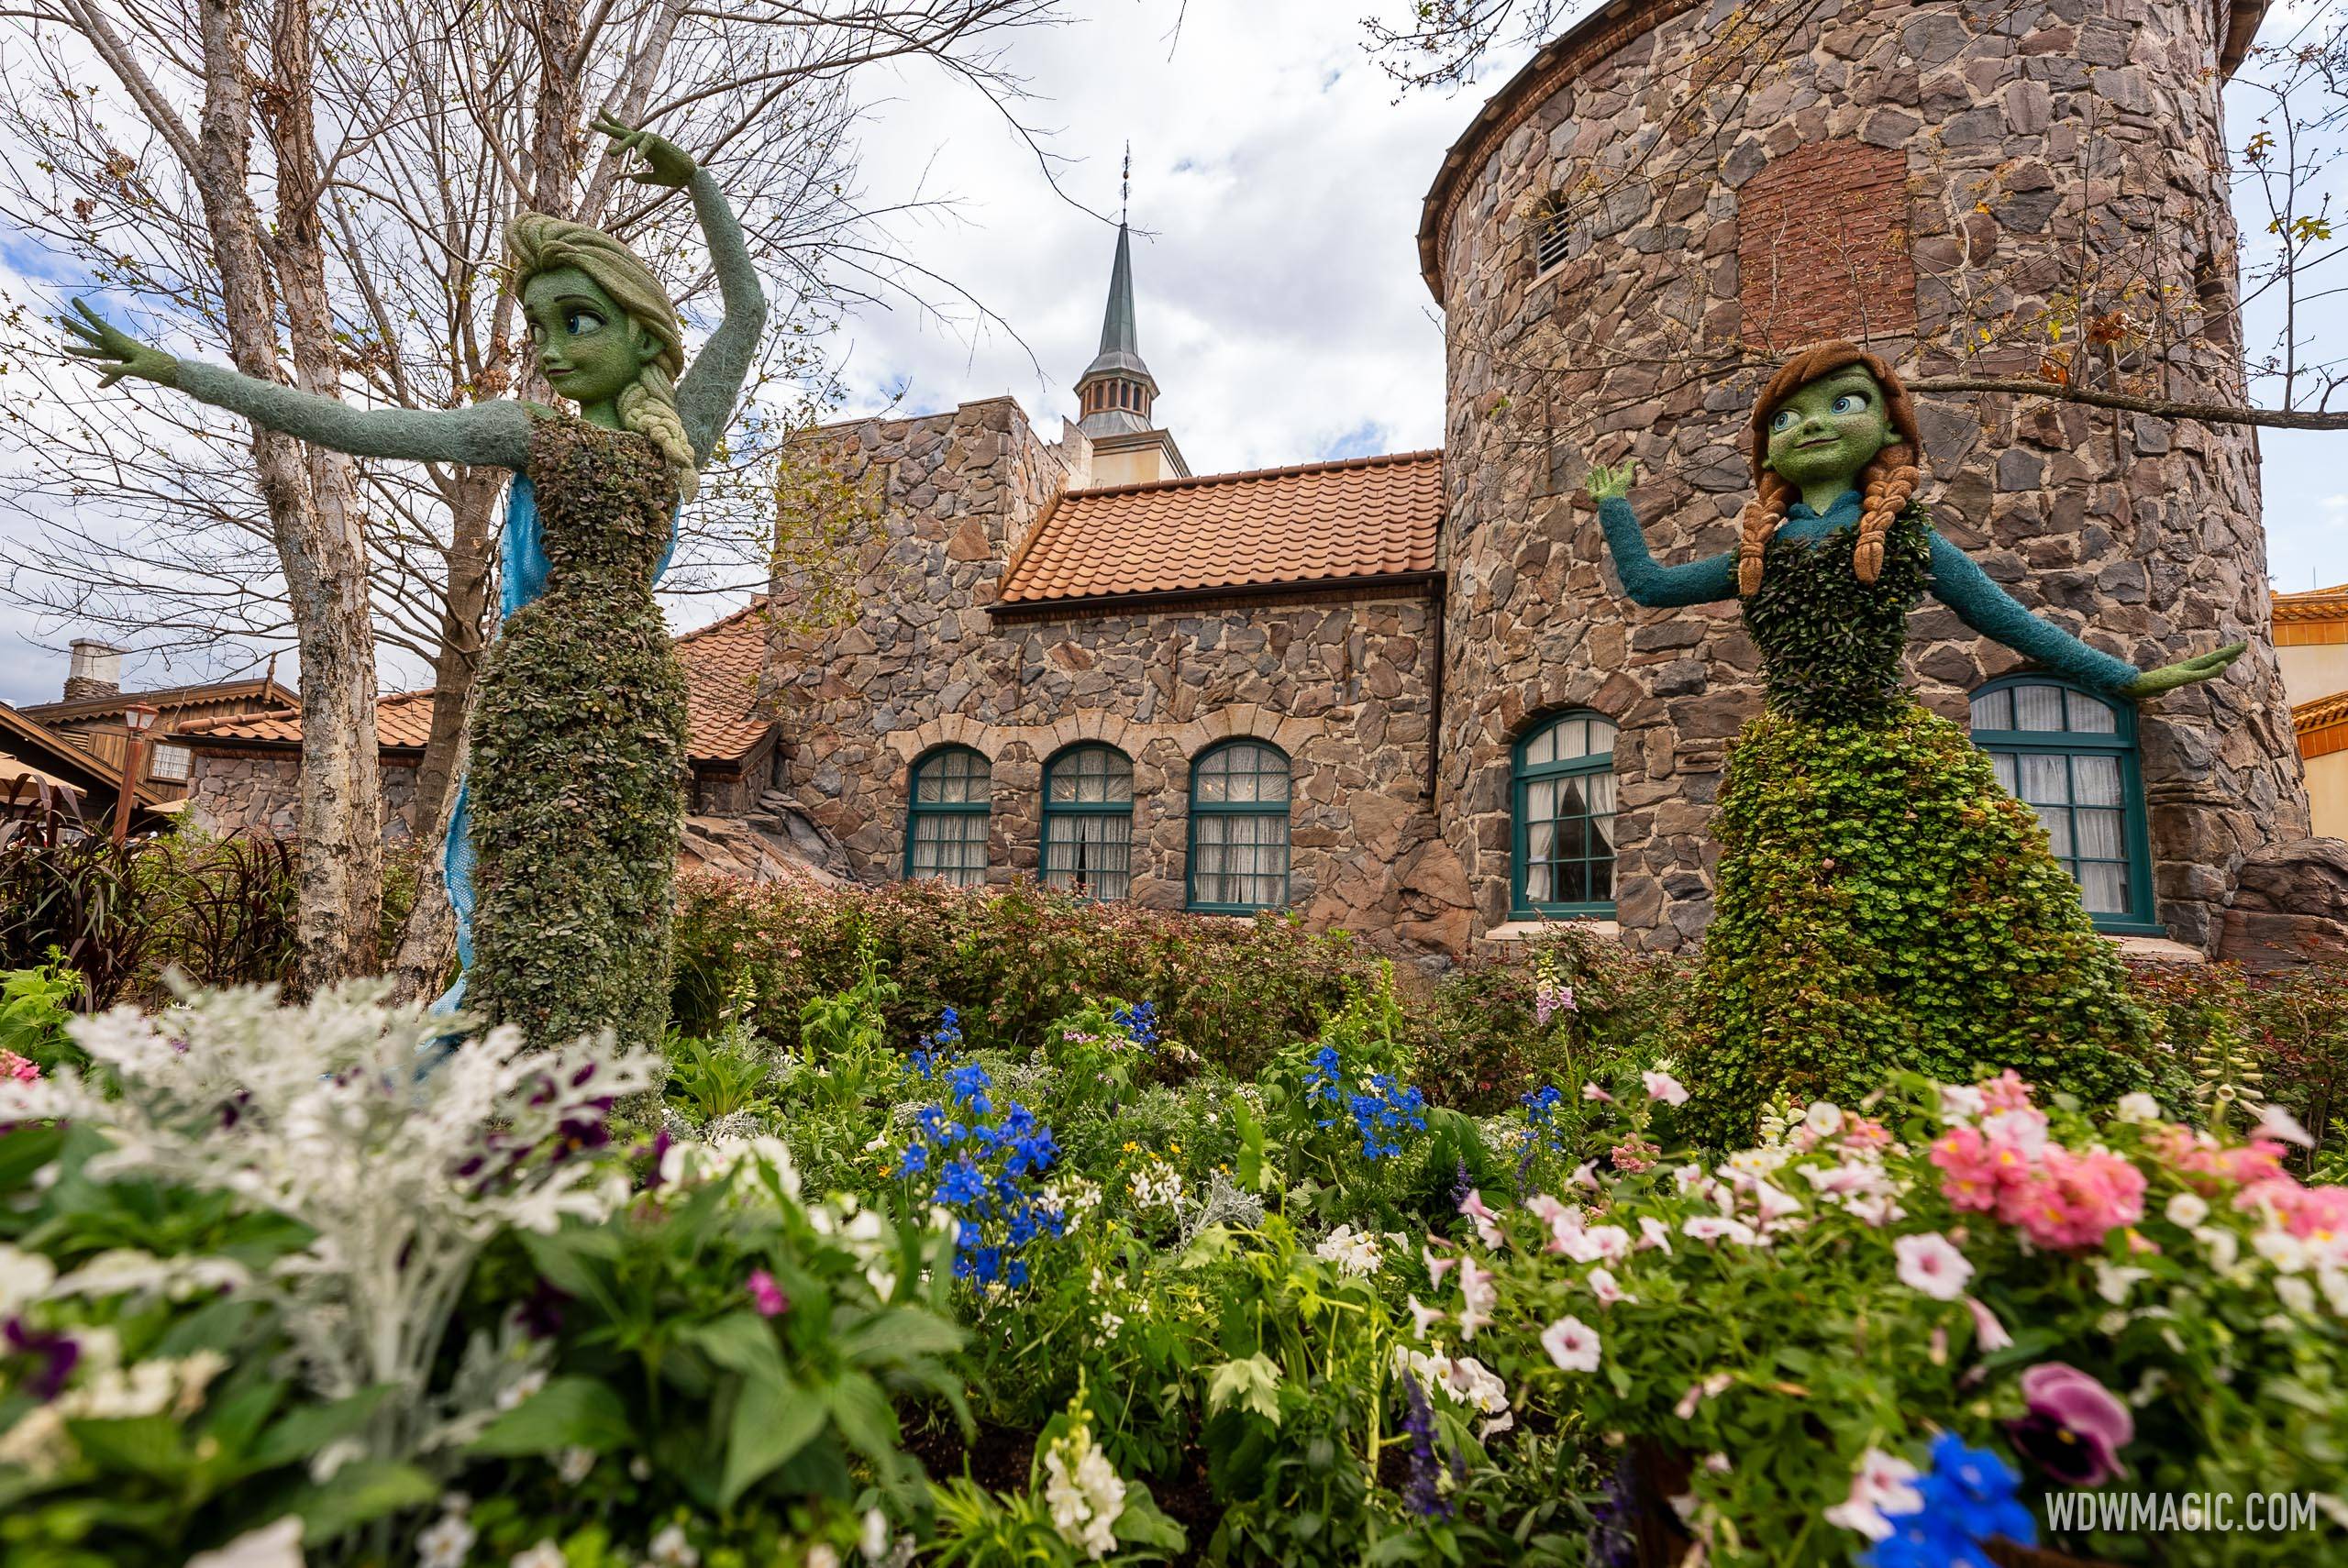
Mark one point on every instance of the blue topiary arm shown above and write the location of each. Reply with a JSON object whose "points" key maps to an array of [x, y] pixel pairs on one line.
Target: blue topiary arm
{"points": [[1653, 585], [1990, 610]]}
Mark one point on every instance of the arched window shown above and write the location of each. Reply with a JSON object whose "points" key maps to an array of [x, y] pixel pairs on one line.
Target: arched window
{"points": [[1563, 795], [1239, 793], [2071, 756], [1089, 821], [945, 825]]}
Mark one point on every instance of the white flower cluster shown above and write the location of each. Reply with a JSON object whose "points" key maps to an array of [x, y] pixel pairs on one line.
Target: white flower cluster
{"points": [[1353, 1251], [1084, 1493], [1069, 1198], [1158, 1185], [757, 1160], [1461, 1378], [103, 1389], [324, 1113]]}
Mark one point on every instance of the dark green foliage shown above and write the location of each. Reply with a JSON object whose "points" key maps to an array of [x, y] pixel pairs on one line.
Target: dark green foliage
{"points": [[1012, 963], [1832, 644], [578, 751], [1884, 904]]}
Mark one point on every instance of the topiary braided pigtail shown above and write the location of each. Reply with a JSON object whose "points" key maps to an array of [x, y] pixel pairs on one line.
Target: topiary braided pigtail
{"points": [[1763, 515], [649, 408], [1886, 486]]}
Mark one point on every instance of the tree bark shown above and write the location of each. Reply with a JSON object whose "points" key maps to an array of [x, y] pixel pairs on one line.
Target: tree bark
{"points": [[339, 818]]}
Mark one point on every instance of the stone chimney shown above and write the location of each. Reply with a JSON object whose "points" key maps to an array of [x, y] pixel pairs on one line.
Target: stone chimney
{"points": [[96, 670]]}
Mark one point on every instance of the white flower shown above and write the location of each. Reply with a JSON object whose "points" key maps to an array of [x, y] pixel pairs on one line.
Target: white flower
{"points": [[1423, 1318], [1882, 1483], [2295, 1292], [872, 1541], [1486, 1223], [39, 1442], [1354, 1253], [1596, 1242], [1084, 1494], [2279, 1124], [1825, 1118], [1571, 1343], [444, 1543], [275, 1545], [1159, 1186], [1477, 1295], [1774, 1202], [2187, 1208], [2334, 1285], [2223, 1245], [1960, 1104], [1473, 1384], [823, 1554], [1110, 1323], [1931, 1264], [1709, 1388], [546, 1554], [2284, 1250], [1653, 1232], [521, 1389], [2113, 1283], [1717, 1227], [1602, 1285], [574, 1465], [2137, 1107], [25, 1277], [1665, 1088], [1875, 1209], [669, 1548]]}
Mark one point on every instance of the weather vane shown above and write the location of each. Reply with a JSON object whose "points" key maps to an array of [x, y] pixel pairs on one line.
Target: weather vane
{"points": [[1125, 184]]}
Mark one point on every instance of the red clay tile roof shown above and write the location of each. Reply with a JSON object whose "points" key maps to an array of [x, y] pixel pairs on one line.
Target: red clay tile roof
{"points": [[2321, 724], [2315, 604], [1313, 523], [721, 664]]}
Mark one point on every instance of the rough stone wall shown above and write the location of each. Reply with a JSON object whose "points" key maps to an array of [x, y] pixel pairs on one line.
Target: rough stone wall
{"points": [[2142, 535], [238, 791], [1343, 686]]}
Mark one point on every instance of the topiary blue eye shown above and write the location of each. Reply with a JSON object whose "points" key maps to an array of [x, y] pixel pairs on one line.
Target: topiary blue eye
{"points": [[1849, 402], [1785, 419], [581, 322]]}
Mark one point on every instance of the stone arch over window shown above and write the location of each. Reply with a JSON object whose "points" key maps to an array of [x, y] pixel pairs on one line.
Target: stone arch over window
{"points": [[2071, 756], [1238, 860], [950, 791], [1822, 246], [1089, 821], [1561, 809]]}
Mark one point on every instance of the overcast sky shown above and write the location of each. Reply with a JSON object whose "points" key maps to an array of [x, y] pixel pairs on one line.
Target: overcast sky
{"points": [[1276, 186]]}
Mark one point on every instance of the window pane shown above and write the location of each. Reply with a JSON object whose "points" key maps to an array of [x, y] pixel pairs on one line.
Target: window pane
{"points": [[1541, 747], [1600, 786], [1090, 855], [2002, 764], [953, 778], [2098, 835], [2058, 829], [1602, 738], [2038, 707], [2090, 717], [2103, 888], [2097, 779], [1994, 709], [2045, 780], [1240, 859]]}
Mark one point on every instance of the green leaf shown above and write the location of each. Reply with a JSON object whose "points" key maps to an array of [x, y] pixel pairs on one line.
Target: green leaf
{"points": [[568, 1412], [1250, 1383], [773, 1421], [142, 1445], [865, 1416], [305, 1431], [359, 1493], [900, 1333], [1143, 1523], [739, 1341]]}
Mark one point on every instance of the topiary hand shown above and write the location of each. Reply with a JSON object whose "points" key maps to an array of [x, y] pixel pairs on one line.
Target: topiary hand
{"points": [[1613, 483], [2185, 672], [665, 163], [117, 353]]}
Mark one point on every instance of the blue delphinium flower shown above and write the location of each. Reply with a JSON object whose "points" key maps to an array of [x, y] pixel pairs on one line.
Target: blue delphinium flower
{"points": [[985, 1167], [1321, 1081], [1383, 1114], [1140, 1022], [1968, 1499]]}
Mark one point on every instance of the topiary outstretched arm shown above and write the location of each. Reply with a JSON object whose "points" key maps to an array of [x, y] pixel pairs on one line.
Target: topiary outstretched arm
{"points": [[1961, 584], [1643, 578], [706, 393], [496, 433]]}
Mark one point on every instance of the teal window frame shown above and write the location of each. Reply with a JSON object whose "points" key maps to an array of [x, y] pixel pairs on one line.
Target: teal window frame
{"points": [[2141, 916], [1202, 810], [1522, 776], [1074, 814], [918, 811]]}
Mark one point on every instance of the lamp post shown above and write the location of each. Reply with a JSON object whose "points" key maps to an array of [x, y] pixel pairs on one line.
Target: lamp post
{"points": [[138, 718]]}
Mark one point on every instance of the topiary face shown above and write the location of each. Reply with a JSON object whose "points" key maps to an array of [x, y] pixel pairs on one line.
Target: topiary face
{"points": [[589, 348], [1825, 431]]}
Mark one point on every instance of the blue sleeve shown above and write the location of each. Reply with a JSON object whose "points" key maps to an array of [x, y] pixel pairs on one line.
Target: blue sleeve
{"points": [[1959, 584], [1661, 587]]}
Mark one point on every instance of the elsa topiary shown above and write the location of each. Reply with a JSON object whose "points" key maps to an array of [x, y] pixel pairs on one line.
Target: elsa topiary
{"points": [[563, 846], [1883, 901]]}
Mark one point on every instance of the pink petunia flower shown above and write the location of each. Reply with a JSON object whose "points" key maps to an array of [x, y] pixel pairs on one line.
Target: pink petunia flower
{"points": [[767, 1296], [1572, 1344], [1665, 1088], [1486, 1223], [1931, 1264]]}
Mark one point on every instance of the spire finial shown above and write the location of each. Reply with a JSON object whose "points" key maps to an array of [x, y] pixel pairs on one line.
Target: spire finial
{"points": [[1125, 186]]}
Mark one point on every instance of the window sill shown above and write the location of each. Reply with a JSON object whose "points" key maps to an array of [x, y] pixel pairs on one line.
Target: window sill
{"points": [[1526, 930], [2155, 949]]}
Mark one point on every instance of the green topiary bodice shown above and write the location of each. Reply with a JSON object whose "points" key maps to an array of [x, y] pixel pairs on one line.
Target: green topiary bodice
{"points": [[1832, 646]]}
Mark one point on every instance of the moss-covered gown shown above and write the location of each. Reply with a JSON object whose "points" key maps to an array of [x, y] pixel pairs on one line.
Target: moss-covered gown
{"points": [[1883, 903], [579, 753]]}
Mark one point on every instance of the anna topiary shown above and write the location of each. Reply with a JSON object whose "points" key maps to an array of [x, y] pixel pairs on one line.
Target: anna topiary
{"points": [[1882, 901]]}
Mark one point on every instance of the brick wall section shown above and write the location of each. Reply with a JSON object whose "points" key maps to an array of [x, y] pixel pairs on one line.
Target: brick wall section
{"points": [[2140, 533], [1821, 246], [1343, 686]]}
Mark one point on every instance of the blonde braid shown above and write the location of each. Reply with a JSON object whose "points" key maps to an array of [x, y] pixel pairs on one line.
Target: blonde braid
{"points": [[1886, 486], [649, 408], [1763, 516]]}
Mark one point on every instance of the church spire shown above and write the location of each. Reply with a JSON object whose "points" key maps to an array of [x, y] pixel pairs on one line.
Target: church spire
{"points": [[1116, 391]]}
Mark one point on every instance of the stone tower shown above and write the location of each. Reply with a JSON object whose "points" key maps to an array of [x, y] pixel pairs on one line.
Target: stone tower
{"points": [[1660, 204]]}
